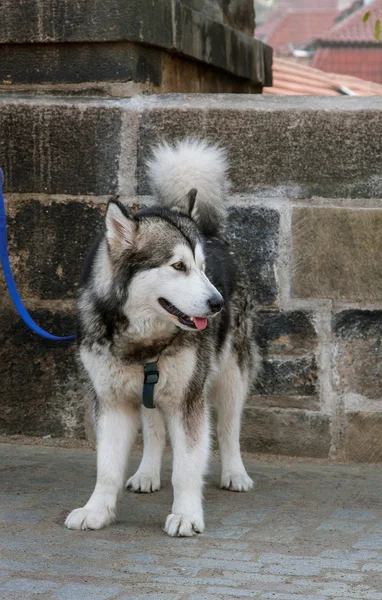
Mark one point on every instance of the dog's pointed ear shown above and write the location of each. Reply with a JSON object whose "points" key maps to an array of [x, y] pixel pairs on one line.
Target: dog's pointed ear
{"points": [[120, 227], [191, 198]]}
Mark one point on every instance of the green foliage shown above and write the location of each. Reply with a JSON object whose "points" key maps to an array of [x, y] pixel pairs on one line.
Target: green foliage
{"points": [[377, 25], [377, 30]]}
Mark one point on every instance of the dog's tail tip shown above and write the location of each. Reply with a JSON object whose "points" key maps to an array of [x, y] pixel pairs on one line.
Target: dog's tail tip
{"points": [[191, 164]]}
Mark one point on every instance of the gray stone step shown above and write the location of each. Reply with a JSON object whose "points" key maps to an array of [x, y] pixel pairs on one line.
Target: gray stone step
{"points": [[295, 147], [99, 41]]}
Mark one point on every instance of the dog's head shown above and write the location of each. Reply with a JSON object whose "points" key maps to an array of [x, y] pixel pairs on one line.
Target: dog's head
{"points": [[158, 266]]}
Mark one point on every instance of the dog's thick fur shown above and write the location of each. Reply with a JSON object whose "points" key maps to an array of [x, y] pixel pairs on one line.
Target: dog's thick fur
{"points": [[178, 252]]}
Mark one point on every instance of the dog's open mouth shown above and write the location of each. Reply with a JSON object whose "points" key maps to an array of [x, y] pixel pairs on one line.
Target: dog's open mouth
{"points": [[191, 322]]}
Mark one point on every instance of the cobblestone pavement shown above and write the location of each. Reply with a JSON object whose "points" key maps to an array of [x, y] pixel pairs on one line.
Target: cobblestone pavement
{"points": [[308, 531]]}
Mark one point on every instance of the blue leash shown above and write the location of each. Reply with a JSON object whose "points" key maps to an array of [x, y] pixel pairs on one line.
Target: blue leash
{"points": [[11, 282]]}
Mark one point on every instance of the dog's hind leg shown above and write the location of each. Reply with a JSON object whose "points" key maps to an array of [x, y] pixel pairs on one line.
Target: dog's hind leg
{"points": [[147, 478], [116, 431], [190, 442], [230, 393]]}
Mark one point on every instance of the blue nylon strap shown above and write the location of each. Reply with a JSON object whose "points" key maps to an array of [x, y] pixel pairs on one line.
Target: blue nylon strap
{"points": [[11, 282]]}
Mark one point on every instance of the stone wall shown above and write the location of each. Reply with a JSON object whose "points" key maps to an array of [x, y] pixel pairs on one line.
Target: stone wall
{"points": [[305, 217], [123, 47]]}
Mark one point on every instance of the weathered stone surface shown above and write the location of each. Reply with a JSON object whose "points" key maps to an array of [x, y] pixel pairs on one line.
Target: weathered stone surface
{"points": [[239, 14], [47, 21], [214, 43], [48, 245], [336, 253], [78, 63], [363, 437], [278, 377], [296, 433], [358, 352], [254, 235], [289, 373], [286, 334], [269, 141], [40, 387], [167, 24], [54, 146]]}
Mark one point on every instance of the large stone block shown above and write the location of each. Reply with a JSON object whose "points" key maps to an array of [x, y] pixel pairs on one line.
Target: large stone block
{"points": [[254, 234], [278, 146], [60, 147], [363, 437], [165, 24], [336, 253], [295, 433], [48, 244], [289, 373], [40, 386], [358, 354], [73, 21], [78, 63]]}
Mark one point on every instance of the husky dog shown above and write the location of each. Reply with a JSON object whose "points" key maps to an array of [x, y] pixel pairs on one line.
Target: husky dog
{"points": [[162, 286]]}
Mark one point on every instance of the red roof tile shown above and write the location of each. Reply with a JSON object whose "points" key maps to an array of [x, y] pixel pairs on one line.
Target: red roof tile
{"points": [[294, 22], [291, 78], [353, 29], [364, 62], [295, 28]]}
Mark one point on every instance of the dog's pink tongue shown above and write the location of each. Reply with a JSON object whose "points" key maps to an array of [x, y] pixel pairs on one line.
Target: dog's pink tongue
{"points": [[200, 323]]}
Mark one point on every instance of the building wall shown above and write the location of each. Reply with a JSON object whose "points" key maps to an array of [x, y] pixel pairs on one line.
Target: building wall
{"points": [[122, 47], [364, 62], [304, 217]]}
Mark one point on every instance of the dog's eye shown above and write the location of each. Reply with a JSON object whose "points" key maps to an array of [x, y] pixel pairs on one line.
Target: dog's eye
{"points": [[179, 266]]}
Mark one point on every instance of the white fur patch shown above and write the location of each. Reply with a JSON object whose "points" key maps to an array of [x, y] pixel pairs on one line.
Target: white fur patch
{"points": [[190, 164]]}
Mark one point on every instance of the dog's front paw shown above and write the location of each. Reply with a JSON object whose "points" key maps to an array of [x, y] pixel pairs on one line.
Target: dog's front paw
{"points": [[184, 525], [236, 482], [86, 518], [144, 482]]}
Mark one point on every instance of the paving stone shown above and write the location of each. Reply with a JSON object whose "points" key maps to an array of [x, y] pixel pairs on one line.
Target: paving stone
{"points": [[75, 591], [344, 526], [28, 586], [371, 541], [354, 514], [135, 559], [351, 268], [22, 517]]}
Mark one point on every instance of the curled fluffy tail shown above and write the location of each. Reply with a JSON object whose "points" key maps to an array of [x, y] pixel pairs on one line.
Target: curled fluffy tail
{"points": [[192, 165]]}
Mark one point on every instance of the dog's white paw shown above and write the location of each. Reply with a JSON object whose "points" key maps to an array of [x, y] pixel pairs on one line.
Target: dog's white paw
{"points": [[184, 525], [236, 482], [144, 482], [86, 518]]}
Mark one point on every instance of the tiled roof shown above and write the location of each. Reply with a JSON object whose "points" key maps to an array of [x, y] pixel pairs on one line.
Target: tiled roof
{"points": [[359, 61], [291, 78], [290, 30], [353, 30]]}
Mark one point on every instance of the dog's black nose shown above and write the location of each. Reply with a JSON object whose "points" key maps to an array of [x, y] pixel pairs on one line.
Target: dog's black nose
{"points": [[216, 303]]}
